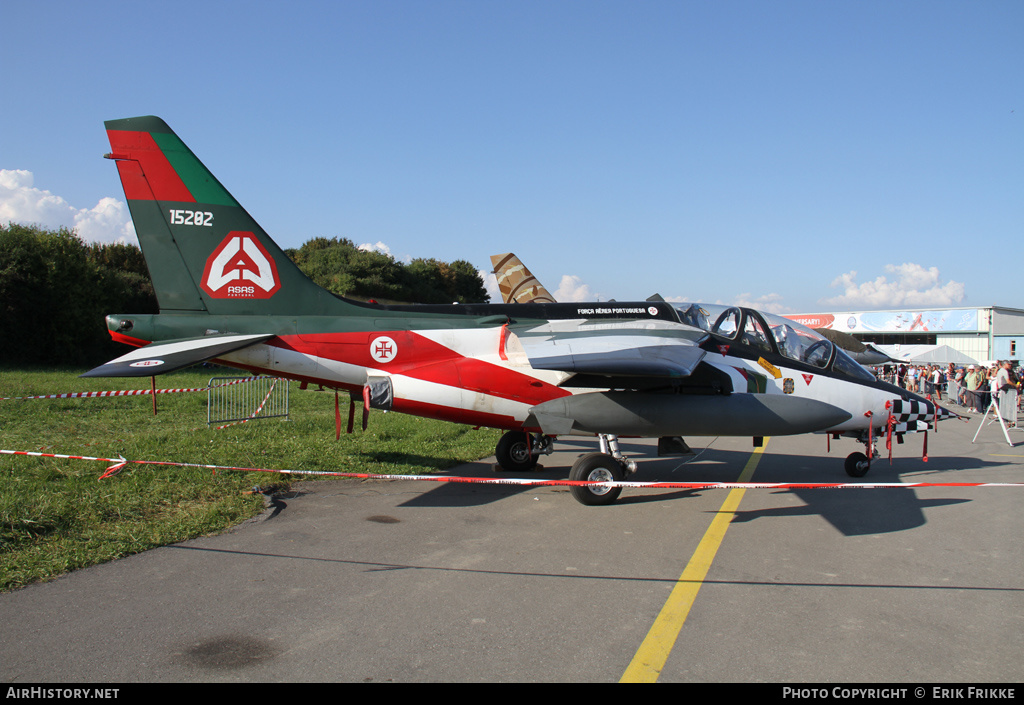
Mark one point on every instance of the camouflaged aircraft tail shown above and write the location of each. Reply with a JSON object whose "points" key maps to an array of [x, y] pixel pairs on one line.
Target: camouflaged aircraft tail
{"points": [[517, 283]]}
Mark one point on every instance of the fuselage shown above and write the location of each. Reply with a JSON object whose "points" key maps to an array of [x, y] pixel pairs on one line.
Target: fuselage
{"points": [[467, 364]]}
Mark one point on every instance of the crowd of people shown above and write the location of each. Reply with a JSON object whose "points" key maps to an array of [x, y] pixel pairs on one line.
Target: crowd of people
{"points": [[972, 387]]}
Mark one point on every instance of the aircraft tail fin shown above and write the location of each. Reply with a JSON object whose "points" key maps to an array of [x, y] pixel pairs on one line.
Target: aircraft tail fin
{"points": [[205, 253], [517, 283]]}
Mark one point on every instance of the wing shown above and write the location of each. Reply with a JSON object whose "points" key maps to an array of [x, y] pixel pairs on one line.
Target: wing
{"points": [[659, 349], [161, 358]]}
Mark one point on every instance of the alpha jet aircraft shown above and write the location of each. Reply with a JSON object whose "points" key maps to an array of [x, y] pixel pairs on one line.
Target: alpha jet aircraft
{"points": [[518, 285], [228, 293]]}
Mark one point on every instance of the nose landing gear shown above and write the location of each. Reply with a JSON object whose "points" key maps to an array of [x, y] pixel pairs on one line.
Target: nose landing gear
{"points": [[858, 464]]}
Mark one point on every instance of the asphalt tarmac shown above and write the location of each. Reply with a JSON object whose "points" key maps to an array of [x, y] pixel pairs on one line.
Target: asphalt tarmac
{"points": [[371, 581]]}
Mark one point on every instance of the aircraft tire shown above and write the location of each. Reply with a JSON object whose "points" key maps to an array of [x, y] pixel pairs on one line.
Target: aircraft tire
{"points": [[596, 467], [856, 465], [513, 452]]}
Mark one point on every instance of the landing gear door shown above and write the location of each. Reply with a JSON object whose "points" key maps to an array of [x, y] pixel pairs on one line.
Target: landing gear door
{"points": [[378, 393]]}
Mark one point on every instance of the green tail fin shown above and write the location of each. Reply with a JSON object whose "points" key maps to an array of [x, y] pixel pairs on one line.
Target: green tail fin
{"points": [[204, 251]]}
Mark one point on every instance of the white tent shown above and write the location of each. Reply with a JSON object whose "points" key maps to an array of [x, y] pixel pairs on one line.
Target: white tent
{"points": [[927, 354]]}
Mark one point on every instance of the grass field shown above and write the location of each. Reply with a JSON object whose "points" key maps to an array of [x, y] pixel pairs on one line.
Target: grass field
{"points": [[56, 515]]}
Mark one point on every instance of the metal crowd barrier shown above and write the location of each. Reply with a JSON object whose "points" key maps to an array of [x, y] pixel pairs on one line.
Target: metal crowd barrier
{"points": [[235, 399]]}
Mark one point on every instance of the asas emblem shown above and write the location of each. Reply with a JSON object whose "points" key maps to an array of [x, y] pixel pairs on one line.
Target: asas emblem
{"points": [[240, 268]]}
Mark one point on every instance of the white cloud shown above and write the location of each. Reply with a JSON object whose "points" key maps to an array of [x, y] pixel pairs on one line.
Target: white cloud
{"points": [[385, 250], [491, 285], [379, 247], [108, 221], [572, 288], [21, 202], [913, 285]]}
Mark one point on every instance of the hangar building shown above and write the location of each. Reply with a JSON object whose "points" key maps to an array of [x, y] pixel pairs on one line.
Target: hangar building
{"points": [[990, 333]]}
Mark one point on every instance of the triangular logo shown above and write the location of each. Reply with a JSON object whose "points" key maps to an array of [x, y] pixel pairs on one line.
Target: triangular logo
{"points": [[240, 268]]}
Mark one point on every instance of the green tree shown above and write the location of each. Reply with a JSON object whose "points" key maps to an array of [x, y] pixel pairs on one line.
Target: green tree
{"points": [[326, 262], [465, 284], [426, 282], [55, 291], [342, 268]]}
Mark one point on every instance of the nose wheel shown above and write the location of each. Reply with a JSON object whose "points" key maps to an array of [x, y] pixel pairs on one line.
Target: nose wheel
{"points": [[857, 465]]}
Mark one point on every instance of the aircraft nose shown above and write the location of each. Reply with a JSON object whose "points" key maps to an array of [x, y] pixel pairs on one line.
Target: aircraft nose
{"points": [[940, 412], [919, 409]]}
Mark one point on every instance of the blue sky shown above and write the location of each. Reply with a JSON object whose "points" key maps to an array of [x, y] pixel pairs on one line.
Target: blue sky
{"points": [[794, 156]]}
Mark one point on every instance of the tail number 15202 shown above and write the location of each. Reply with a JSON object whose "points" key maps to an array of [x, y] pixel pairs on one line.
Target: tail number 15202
{"points": [[183, 217]]}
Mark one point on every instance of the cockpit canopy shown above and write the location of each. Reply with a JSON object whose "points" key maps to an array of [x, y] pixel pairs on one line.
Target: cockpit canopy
{"points": [[771, 333]]}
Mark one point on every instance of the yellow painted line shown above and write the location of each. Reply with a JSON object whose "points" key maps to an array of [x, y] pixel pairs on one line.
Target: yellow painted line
{"points": [[650, 658]]}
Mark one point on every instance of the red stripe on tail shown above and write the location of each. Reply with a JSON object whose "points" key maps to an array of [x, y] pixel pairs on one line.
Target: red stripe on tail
{"points": [[146, 174]]}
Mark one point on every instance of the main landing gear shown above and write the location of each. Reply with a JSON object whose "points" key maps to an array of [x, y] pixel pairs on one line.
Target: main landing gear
{"points": [[610, 465], [596, 467], [518, 451]]}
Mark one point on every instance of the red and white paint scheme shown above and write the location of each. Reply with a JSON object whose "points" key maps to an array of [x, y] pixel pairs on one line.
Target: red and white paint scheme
{"points": [[228, 292]]}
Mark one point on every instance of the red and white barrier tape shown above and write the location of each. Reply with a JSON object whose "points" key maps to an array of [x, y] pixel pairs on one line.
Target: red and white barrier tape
{"points": [[116, 393], [120, 462], [127, 392]]}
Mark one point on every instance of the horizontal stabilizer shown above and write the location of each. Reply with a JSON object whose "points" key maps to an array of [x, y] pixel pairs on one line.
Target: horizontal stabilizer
{"points": [[161, 358]]}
